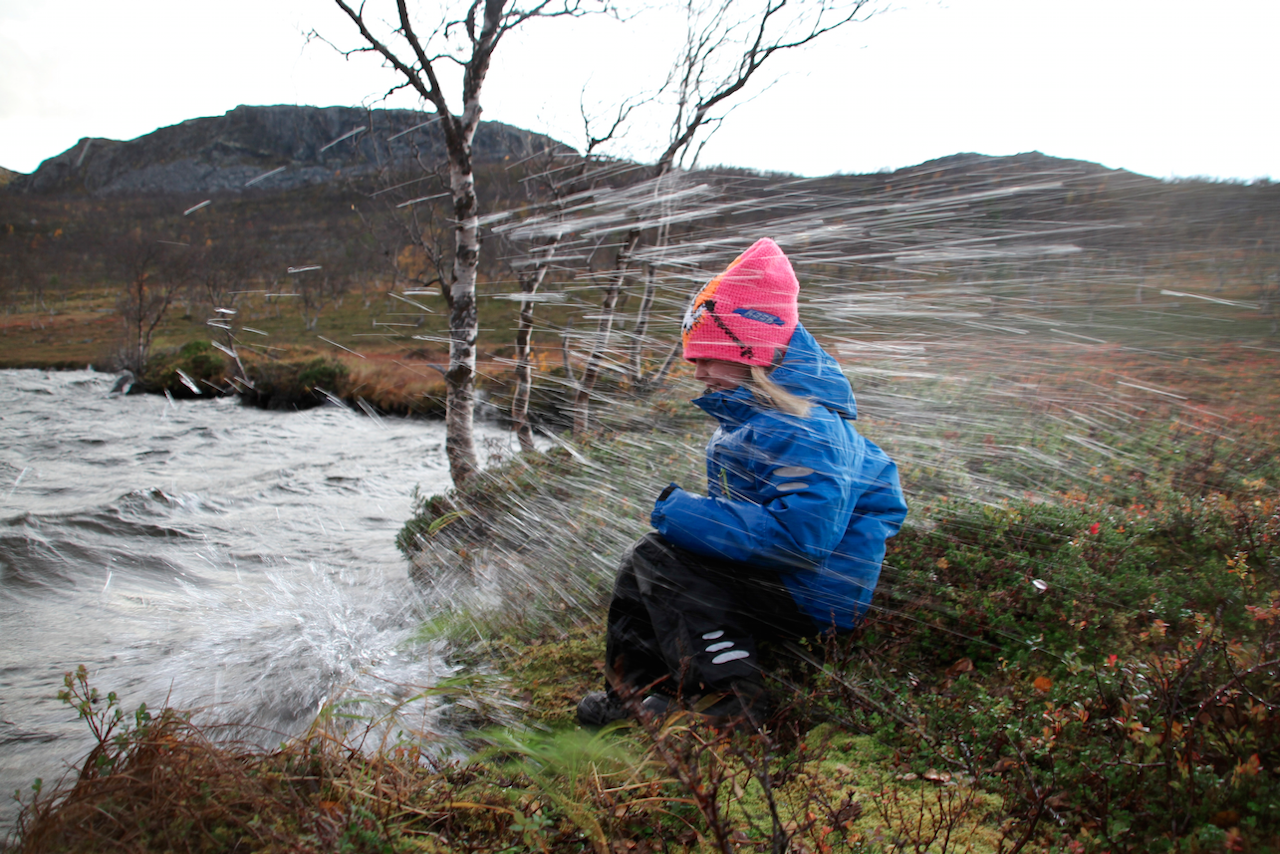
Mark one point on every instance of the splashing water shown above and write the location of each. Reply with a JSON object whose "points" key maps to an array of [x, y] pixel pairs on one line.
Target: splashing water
{"points": [[213, 556]]}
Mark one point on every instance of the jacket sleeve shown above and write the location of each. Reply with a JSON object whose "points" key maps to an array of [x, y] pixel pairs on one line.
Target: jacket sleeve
{"points": [[805, 473], [879, 514]]}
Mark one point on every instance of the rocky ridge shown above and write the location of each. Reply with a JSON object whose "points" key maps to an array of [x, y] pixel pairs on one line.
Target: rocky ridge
{"points": [[269, 148]]}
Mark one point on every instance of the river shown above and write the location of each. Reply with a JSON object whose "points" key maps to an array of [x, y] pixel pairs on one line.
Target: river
{"points": [[218, 556]]}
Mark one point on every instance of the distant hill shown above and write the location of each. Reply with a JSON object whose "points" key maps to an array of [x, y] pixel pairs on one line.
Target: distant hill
{"points": [[972, 170], [284, 147], [296, 145], [345, 188]]}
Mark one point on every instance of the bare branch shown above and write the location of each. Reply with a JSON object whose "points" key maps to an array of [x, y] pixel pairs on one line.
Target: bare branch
{"points": [[716, 37], [623, 113], [413, 78]]}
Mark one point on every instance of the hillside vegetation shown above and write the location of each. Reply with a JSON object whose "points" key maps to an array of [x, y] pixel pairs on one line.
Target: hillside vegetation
{"points": [[338, 249]]}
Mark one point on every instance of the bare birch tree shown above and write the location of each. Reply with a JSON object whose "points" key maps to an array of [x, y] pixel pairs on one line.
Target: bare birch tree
{"points": [[467, 40], [221, 272], [560, 177], [154, 274]]}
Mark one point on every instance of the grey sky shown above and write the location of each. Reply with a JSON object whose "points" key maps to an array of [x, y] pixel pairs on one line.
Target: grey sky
{"points": [[1162, 87]]}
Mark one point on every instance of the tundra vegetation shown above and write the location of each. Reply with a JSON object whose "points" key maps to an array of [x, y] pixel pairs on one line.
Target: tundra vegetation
{"points": [[1074, 648], [1075, 641]]}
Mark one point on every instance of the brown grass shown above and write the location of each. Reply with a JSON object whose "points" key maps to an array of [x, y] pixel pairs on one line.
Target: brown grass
{"points": [[42, 339], [397, 385], [175, 788]]}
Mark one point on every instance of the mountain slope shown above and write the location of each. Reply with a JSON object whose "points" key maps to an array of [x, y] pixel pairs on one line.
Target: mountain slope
{"points": [[307, 145]]}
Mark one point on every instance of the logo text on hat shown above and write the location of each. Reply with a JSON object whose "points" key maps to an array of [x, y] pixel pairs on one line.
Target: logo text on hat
{"points": [[759, 316]]}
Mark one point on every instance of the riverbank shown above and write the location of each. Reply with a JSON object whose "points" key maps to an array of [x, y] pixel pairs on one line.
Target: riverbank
{"points": [[271, 358], [302, 377], [1086, 665]]}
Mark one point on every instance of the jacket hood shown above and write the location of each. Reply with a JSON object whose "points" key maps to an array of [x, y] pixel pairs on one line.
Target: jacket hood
{"points": [[806, 370], [809, 371]]}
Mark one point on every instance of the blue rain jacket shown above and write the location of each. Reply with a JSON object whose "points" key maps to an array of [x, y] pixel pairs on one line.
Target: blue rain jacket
{"points": [[808, 497]]}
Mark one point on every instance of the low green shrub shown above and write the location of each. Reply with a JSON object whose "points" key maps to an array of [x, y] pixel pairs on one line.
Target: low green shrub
{"points": [[195, 369], [293, 384], [1113, 673]]}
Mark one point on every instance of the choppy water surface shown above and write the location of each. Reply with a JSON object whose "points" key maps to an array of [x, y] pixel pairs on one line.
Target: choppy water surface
{"points": [[216, 555]]}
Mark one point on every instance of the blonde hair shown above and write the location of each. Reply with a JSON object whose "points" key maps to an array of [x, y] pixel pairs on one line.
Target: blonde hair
{"points": [[768, 393]]}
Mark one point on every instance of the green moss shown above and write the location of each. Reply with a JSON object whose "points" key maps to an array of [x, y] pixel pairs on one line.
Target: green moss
{"points": [[549, 673]]}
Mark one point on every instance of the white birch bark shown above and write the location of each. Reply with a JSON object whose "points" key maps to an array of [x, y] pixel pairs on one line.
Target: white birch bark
{"points": [[460, 379]]}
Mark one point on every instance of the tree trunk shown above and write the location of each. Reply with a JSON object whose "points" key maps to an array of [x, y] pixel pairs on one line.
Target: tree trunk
{"points": [[530, 280], [641, 328], [460, 379], [524, 378], [582, 400], [140, 346]]}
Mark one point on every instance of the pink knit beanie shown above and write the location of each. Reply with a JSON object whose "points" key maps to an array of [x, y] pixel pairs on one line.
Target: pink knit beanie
{"points": [[747, 313]]}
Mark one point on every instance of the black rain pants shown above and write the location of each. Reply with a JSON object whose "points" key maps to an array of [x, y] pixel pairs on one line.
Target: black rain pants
{"points": [[684, 625]]}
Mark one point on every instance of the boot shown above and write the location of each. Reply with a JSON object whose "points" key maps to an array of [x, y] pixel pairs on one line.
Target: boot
{"points": [[601, 708]]}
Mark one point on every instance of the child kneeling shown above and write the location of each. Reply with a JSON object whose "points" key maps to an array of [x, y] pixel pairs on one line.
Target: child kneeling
{"points": [[789, 539]]}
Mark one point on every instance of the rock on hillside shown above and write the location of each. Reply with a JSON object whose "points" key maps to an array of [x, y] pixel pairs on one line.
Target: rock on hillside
{"points": [[307, 145]]}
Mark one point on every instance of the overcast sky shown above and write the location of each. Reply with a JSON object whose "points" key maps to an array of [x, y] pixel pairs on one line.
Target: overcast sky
{"points": [[1162, 87]]}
